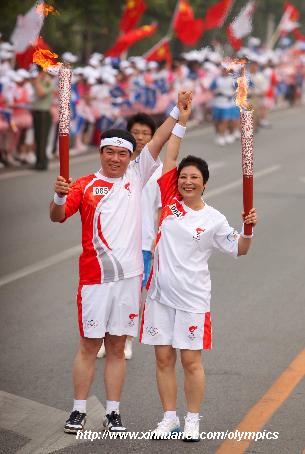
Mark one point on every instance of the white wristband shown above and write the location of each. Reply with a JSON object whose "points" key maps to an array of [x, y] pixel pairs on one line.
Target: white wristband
{"points": [[242, 233], [174, 113], [179, 130], [59, 200]]}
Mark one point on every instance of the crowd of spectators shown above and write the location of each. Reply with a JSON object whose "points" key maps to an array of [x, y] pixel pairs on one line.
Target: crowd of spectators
{"points": [[107, 91]]}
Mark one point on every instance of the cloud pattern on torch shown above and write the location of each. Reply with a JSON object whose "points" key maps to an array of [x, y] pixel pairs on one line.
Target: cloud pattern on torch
{"points": [[65, 74], [247, 143]]}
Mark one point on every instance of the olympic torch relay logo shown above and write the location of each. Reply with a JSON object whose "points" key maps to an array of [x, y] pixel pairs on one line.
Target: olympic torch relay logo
{"points": [[192, 330], [132, 319]]}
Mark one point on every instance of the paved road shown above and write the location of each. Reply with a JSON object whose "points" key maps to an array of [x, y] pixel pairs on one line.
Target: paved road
{"points": [[255, 372]]}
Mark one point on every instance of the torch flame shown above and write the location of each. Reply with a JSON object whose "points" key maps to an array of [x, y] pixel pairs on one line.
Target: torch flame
{"points": [[242, 91], [45, 58], [45, 9]]}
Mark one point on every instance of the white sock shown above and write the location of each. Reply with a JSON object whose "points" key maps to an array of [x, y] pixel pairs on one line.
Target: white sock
{"points": [[80, 405], [170, 414], [192, 416], [112, 405]]}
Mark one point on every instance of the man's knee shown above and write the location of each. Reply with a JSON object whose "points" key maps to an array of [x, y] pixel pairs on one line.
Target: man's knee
{"points": [[114, 346], [89, 346]]}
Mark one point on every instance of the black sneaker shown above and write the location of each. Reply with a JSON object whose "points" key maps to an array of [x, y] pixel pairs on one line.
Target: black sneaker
{"points": [[113, 422], [75, 422]]}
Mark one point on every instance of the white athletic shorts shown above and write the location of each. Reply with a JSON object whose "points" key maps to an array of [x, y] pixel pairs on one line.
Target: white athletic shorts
{"points": [[111, 308], [164, 325]]}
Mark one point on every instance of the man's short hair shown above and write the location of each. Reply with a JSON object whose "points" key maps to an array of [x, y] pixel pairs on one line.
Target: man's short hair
{"points": [[199, 163], [121, 134], [143, 119]]}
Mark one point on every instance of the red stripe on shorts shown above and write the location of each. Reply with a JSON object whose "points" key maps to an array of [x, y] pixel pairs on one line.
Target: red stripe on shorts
{"points": [[142, 323], [207, 332], [80, 310]]}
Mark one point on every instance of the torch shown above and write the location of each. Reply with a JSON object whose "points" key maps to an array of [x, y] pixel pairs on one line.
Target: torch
{"points": [[247, 130], [64, 75]]}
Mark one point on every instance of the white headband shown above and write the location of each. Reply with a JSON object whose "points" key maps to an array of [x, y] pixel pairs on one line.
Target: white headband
{"points": [[117, 142]]}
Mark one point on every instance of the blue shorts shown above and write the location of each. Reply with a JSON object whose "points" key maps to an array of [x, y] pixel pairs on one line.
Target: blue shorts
{"points": [[220, 114], [147, 255], [235, 113]]}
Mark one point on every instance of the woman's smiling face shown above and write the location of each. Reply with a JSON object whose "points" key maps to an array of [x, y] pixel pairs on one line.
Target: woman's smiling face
{"points": [[190, 183]]}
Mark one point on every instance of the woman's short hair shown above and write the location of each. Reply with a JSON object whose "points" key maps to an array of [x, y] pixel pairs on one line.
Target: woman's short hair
{"points": [[199, 163]]}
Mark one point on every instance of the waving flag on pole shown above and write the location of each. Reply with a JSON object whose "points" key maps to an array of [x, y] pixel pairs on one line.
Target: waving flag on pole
{"points": [[217, 14], [132, 14], [27, 29], [187, 28], [125, 41], [159, 52], [298, 35], [241, 25], [289, 21]]}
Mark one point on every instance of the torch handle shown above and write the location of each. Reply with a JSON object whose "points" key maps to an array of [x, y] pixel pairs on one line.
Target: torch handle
{"points": [[64, 155], [248, 200]]}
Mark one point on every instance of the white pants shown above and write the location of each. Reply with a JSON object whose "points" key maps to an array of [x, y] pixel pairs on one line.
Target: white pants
{"points": [[111, 308]]}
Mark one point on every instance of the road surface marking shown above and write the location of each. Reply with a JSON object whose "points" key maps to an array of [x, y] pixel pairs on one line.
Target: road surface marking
{"points": [[42, 264], [43, 424], [261, 412], [237, 183], [68, 253]]}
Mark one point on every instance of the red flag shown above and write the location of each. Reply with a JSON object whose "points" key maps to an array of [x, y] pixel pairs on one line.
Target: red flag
{"points": [[241, 25], [125, 41], [25, 59], [298, 35], [132, 14], [217, 14], [289, 19], [160, 52], [187, 28]]}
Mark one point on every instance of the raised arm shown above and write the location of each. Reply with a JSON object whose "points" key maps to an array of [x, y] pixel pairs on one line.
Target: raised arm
{"points": [[173, 147], [163, 133]]}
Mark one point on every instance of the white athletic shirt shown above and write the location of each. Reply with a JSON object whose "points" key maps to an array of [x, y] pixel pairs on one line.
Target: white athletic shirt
{"points": [[151, 201], [110, 210], [185, 242]]}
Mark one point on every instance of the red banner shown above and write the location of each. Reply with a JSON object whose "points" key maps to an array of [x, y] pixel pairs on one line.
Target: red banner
{"points": [[160, 52], [125, 41], [217, 14], [187, 28], [132, 14]]}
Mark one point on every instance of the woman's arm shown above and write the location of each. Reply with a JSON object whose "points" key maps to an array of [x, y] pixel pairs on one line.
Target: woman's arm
{"points": [[173, 147], [244, 243], [163, 133]]}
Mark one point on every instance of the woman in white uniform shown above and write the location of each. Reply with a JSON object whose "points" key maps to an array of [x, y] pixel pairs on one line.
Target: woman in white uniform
{"points": [[177, 309]]}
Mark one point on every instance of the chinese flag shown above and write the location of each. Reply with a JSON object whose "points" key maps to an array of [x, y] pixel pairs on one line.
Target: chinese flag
{"points": [[160, 52], [25, 59], [132, 14], [298, 35], [216, 14], [125, 41], [187, 28]]}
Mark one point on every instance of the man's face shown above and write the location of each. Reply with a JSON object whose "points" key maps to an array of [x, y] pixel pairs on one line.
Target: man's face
{"points": [[142, 133], [114, 161]]}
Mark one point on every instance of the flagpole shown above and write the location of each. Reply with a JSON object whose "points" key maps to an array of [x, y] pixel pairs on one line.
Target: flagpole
{"points": [[168, 35], [155, 46]]}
